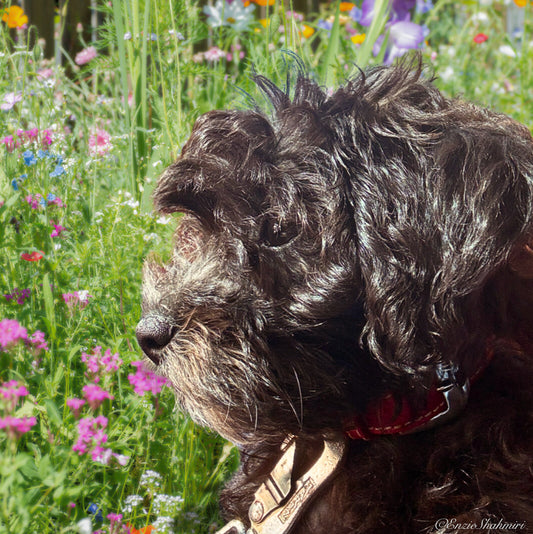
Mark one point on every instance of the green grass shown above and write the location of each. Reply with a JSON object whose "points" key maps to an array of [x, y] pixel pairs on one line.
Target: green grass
{"points": [[145, 94]]}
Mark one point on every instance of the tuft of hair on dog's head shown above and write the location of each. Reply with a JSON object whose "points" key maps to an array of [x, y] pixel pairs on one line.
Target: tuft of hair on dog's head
{"points": [[431, 215]]}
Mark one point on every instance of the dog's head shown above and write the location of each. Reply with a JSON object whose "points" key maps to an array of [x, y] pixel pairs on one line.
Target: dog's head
{"points": [[345, 246]]}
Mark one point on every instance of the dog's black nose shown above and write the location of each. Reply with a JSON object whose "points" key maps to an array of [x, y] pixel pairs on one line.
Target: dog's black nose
{"points": [[154, 332]]}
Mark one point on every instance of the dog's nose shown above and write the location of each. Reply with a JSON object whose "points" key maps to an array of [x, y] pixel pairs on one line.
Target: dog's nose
{"points": [[154, 332]]}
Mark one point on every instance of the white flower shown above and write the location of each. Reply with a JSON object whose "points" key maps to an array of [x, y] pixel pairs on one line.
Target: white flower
{"points": [[446, 74], [480, 16], [507, 50], [85, 526], [235, 14]]}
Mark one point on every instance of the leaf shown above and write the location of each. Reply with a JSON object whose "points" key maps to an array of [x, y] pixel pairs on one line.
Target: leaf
{"points": [[49, 306], [381, 13], [327, 72]]}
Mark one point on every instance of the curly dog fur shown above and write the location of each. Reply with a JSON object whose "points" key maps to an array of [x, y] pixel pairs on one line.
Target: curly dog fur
{"points": [[339, 250]]}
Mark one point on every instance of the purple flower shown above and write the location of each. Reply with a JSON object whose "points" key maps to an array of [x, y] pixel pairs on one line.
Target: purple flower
{"points": [[10, 99], [367, 12]]}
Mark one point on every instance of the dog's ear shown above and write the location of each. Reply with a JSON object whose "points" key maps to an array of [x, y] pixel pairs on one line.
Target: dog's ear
{"points": [[439, 213]]}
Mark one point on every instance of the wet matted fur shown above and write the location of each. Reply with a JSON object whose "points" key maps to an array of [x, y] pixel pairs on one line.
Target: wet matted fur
{"points": [[340, 249]]}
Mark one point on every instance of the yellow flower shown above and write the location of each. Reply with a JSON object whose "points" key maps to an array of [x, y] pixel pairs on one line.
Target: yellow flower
{"points": [[358, 38], [14, 17], [264, 22], [307, 31], [347, 6]]}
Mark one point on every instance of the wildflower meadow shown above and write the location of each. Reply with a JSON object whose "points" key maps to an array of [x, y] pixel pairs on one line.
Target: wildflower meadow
{"points": [[91, 440]]}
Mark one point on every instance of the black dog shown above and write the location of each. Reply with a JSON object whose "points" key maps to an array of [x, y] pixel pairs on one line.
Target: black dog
{"points": [[350, 300]]}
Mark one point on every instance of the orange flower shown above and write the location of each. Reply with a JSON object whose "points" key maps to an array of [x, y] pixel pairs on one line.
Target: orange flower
{"points": [[264, 3], [14, 17], [145, 530], [347, 6], [520, 3], [358, 38], [307, 31]]}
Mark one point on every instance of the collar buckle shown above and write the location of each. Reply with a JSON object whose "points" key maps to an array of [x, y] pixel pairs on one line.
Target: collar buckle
{"points": [[278, 501]]}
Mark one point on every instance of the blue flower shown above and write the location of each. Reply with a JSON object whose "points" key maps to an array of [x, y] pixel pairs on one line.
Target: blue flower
{"points": [[42, 153], [356, 14], [325, 25], [50, 197], [15, 184], [29, 158], [58, 171], [96, 511]]}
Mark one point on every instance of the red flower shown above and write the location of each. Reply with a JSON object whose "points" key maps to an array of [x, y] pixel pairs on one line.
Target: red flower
{"points": [[480, 38], [32, 256]]}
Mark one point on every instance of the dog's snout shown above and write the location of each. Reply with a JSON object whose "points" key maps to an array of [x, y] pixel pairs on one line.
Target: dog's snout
{"points": [[154, 332]]}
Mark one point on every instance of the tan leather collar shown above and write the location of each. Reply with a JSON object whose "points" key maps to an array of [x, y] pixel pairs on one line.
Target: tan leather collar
{"points": [[278, 502]]}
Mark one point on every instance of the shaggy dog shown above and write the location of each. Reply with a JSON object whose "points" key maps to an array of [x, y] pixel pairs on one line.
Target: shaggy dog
{"points": [[353, 279]]}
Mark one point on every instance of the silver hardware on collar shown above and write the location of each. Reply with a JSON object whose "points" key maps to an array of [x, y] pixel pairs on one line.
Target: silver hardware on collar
{"points": [[455, 394], [278, 503]]}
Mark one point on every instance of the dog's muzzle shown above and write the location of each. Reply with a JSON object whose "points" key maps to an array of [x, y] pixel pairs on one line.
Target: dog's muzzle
{"points": [[154, 332]]}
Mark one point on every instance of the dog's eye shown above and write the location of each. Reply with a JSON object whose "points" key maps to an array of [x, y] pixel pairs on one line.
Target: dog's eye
{"points": [[274, 233]]}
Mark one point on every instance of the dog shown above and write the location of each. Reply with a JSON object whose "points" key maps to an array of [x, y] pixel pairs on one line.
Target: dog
{"points": [[350, 301]]}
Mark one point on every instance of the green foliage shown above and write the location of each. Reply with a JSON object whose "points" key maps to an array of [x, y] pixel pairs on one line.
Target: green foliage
{"points": [[79, 158]]}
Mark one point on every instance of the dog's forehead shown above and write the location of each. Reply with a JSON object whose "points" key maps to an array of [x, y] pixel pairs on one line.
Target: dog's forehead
{"points": [[231, 135]]}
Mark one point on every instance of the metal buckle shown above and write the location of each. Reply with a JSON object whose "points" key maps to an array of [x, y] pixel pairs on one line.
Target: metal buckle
{"points": [[455, 394]]}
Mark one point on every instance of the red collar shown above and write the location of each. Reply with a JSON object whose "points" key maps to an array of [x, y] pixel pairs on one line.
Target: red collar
{"points": [[393, 415]]}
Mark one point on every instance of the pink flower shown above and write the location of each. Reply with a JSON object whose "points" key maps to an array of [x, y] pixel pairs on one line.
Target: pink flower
{"points": [[34, 201], [75, 405], [86, 55], [99, 143], [11, 392], [9, 142], [11, 332], [100, 366], [58, 229], [15, 426], [95, 395], [214, 54], [77, 299], [91, 434], [47, 138], [38, 342], [144, 380]]}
